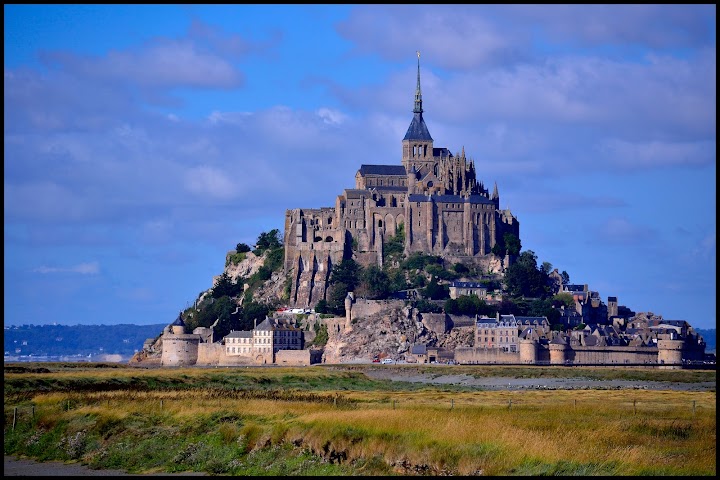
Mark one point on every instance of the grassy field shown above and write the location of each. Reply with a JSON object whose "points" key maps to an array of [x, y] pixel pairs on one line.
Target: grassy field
{"points": [[324, 420]]}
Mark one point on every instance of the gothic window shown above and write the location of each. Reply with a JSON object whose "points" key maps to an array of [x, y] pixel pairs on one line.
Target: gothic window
{"points": [[379, 223], [380, 183], [435, 170]]}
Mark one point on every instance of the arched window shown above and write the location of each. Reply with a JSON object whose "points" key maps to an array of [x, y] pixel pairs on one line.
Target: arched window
{"points": [[379, 223]]}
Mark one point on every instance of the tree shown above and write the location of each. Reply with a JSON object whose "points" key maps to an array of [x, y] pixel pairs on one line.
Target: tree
{"points": [[460, 268], [225, 287], [336, 298], [525, 279], [268, 241], [563, 299], [395, 245], [565, 277], [321, 335], [397, 279], [242, 248], [424, 306], [512, 244], [253, 312], [348, 272], [375, 283], [435, 291], [322, 307]]}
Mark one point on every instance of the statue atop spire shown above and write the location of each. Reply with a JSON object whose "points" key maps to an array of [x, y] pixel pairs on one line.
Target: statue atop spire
{"points": [[418, 92]]}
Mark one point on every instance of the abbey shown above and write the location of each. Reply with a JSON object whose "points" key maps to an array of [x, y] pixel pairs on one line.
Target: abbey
{"points": [[433, 198]]}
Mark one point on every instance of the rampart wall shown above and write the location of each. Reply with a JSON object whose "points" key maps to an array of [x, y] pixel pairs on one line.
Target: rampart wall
{"points": [[179, 349], [292, 357]]}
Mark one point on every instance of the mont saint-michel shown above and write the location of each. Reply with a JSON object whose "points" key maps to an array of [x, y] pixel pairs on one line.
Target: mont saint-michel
{"points": [[415, 264]]}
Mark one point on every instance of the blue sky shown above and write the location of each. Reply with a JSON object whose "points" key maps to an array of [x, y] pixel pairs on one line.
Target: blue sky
{"points": [[144, 142]]}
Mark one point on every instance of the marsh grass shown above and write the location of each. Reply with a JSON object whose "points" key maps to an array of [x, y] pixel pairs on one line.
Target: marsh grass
{"points": [[308, 421]]}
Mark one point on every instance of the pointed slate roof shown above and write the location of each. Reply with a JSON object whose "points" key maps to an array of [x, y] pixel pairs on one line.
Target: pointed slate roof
{"points": [[417, 129], [178, 321], [264, 325]]}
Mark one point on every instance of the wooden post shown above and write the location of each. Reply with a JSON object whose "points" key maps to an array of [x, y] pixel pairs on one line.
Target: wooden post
{"points": [[33, 411], [161, 404], [575, 404], [14, 417], [634, 407], [693, 408], [452, 403]]}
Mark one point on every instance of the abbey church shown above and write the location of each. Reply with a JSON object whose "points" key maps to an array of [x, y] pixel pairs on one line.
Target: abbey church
{"points": [[433, 198]]}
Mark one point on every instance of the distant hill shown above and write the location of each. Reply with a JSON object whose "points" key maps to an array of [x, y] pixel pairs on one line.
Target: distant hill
{"points": [[82, 340], [709, 337]]}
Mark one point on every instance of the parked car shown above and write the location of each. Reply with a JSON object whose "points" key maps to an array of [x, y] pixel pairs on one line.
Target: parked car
{"points": [[385, 361]]}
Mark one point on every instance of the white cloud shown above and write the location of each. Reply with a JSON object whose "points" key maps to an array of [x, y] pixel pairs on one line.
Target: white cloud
{"points": [[642, 155], [207, 181], [330, 116], [91, 268], [622, 231], [161, 63]]}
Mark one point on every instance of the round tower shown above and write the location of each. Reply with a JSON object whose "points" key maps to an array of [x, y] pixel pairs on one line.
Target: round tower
{"points": [[558, 353], [670, 353], [180, 350], [528, 351], [348, 310]]}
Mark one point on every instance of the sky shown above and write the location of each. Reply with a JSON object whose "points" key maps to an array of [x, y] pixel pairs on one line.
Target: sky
{"points": [[144, 142]]}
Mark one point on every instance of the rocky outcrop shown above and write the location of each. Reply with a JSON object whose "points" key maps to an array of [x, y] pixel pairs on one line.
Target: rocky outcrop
{"points": [[244, 269], [390, 332]]}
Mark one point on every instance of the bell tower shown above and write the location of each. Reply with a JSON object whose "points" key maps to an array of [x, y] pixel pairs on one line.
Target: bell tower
{"points": [[417, 146]]}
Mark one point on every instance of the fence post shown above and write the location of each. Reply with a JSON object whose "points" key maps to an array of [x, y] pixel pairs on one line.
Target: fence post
{"points": [[575, 401], [634, 407], [14, 417], [161, 404], [452, 403], [693, 408], [33, 412]]}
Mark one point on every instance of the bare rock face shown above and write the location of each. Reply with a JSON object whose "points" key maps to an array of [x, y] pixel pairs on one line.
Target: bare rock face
{"points": [[272, 290], [389, 333], [244, 269]]}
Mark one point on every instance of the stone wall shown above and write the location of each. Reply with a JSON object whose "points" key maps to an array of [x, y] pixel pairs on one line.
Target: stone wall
{"points": [[612, 355], [363, 308], [471, 355], [461, 321], [436, 322], [209, 353], [180, 349], [292, 357]]}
